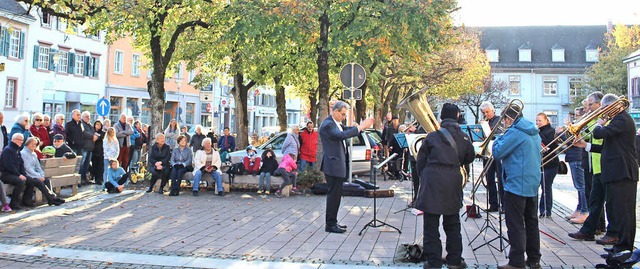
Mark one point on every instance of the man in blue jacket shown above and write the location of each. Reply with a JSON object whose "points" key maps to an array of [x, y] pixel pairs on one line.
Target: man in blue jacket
{"points": [[519, 151], [226, 145], [334, 159]]}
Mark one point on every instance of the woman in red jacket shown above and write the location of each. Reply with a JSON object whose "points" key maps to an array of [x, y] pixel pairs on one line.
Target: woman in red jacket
{"points": [[40, 131], [308, 146]]}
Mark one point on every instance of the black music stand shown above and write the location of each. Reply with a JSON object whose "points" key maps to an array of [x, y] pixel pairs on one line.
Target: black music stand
{"points": [[375, 223]]}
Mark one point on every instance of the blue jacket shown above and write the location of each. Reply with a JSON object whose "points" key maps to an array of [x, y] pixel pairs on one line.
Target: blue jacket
{"points": [[114, 175], [232, 143], [11, 161], [17, 128], [334, 158], [519, 150], [134, 136]]}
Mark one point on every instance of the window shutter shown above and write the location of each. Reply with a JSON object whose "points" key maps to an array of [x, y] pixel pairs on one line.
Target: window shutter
{"points": [[36, 54], [6, 40], [22, 38], [72, 63], [86, 65], [3, 31], [51, 63], [96, 66]]}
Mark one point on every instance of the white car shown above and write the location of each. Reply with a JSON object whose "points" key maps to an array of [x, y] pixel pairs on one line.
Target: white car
{"points": [[361, 143]]}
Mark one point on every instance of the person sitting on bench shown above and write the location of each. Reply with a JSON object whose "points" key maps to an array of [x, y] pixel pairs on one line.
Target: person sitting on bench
{"points": [[287, 170], [207, 160], [35, 175]]}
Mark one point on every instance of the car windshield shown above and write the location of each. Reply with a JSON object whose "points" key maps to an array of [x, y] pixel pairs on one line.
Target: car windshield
{"points": [[274, 144]]}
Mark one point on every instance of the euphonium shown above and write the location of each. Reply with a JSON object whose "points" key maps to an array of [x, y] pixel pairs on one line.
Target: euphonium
{"points": [[418, 105]]}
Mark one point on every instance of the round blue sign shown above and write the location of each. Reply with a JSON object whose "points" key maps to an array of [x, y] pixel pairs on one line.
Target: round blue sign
{"points": [[103, 106]]}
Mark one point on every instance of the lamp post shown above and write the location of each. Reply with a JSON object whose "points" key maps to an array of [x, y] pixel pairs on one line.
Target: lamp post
{"points": [[179, 109], [57, 55]]}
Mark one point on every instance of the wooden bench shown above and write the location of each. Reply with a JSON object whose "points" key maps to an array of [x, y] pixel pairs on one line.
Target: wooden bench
{"points": [[62, 172]]}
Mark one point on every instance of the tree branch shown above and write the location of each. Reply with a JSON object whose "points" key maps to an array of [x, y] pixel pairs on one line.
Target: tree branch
{"points": [[174, 38]]}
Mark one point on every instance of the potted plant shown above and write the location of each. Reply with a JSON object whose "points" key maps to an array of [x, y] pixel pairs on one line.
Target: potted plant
{"points": [[307, 178]]}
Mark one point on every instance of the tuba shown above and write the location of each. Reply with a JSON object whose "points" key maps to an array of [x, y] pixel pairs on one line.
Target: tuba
{"points": [[418, 105]]}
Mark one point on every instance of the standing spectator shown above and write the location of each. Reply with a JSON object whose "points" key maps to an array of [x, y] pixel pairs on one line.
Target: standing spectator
{"points": [[35, 176], [158, 164], [123, 133], [116, 177], [392, 129], [519, 150], [251, 161], [439, 160], [287, 170], [214, 138], [334, 160], [111, 149], [181, 158], [46, 122], [638, 145], [196, 140], [386, 122], [269, 166], [136, 148], [58, 127], [291, 143], [107, 125], [21, 127], [185, 133], [73, 130], [38, 130], [308, 147], [573, 156], [4, 139], [226, 144], [171, 133], [207, 160], [12, 169], [550, 170], [89, 136], [97, 156]]}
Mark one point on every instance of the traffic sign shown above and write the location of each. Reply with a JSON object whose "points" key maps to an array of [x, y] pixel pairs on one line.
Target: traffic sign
{"points": [[103, 106], [206, 96], [352, 75], [223, 102]]}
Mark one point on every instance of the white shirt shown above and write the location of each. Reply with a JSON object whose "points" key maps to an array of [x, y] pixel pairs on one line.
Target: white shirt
{"points": [[344, 144]]}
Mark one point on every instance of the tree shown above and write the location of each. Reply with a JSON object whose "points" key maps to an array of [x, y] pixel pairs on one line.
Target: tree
{"points": [[157, 25], [609, 74], [493, 91]]}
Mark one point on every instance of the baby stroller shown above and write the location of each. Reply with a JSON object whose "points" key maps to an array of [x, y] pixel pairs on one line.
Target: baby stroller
{"points": [[142, 170]]}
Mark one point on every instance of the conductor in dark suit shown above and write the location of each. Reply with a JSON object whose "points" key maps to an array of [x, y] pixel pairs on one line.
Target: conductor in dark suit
{"points": [[619, 171], [334, 159]]}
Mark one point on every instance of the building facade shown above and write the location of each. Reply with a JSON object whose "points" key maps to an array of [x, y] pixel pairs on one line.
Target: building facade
{"points": [[544, 66], [632, 62]]}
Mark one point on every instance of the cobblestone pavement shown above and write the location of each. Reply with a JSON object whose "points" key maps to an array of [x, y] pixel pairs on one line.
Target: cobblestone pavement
{"points": [[261, 231]]}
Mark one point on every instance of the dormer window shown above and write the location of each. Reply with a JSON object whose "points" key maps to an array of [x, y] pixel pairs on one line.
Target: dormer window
{"points": [[591, 53], [557, 53], [493, 54], [524, 53]]}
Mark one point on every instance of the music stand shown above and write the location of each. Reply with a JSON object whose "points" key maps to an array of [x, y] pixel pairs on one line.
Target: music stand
{"points": [[375, 223]]}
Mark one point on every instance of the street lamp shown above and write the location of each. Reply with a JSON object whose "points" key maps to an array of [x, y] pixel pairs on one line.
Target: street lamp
{"points": [[179, 109], [57, 55]]}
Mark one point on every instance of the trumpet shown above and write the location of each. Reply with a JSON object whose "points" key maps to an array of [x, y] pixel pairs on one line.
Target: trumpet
{"points": [[576, 130], [515, 105]]}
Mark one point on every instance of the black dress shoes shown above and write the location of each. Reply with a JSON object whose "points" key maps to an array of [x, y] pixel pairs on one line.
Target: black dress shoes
{"points": [[342, 226], [29, 204], [607, 240], [149, 190], [334, 229], [580, 236]]}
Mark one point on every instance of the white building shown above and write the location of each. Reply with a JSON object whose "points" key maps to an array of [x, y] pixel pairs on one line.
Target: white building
{"points": [[633, 73]]}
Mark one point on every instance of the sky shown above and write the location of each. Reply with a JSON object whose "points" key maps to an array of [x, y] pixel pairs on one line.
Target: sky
{"points": [[546, 12]]}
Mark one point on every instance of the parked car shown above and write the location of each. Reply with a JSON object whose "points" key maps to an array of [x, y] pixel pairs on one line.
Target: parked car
{"points": [[363, 142]]}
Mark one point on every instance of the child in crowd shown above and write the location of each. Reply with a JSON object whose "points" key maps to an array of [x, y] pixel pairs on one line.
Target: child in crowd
{"points": [[116, 177], [269, 166], [287, 170], [251, 161]]}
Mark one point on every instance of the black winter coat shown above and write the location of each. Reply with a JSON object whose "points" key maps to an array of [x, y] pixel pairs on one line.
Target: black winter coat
{"points": [[87, 135], [74, 135], [11, 160], [548, 134], [269, 164], [440, 189], [196, 141], [159, 155]]}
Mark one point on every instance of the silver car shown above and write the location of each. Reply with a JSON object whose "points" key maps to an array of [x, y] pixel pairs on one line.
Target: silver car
{"points": [[361, 143]]}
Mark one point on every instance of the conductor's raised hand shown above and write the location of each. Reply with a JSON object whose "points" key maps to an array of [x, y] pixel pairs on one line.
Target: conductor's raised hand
{"points": [[366, 123]]}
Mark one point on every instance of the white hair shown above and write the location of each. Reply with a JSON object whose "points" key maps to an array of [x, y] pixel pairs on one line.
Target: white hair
{"points": [[16, 135], [86, 113], [158, 135], [608, 99], [208, 139], [21, 118], [36, 116], [487, 104], [58, 117]]}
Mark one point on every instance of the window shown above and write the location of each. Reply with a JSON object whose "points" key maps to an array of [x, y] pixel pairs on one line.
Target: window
{"points": [[14, 44], [45, 20], [557, 55], [553, 116], [93, 67], [43, 58], [524, 55], [63, 62], [591, 55], [135, 65], [178, 71], [118, 62], [149, 72], [10, 93], [550, 85], [190, 113], [493, 56], [514, 85], [192, 75], [61, 25], [79, 65], [575, 88], [115, 109]]}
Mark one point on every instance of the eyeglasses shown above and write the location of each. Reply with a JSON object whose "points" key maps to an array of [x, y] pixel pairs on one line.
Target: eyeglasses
{"points": [[590, 104], [38, 119]]}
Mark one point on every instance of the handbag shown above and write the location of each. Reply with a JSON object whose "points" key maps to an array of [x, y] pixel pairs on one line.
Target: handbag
{"points": [[562, 168], [409, 253], [189, 168]]}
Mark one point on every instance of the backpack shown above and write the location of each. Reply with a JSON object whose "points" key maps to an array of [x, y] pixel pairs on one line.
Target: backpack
{"points": [[409, 253], [236, 169]]}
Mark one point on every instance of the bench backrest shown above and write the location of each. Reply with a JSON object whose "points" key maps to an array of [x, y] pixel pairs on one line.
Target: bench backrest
{"points": [[60, 166]]}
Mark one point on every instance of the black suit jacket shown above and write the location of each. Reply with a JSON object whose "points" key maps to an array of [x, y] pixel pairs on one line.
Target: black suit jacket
{"points": [[4, 135], [618, 156]]}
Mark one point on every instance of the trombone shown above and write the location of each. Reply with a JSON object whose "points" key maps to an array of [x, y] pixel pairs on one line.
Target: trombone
{"points": [[515, 105], [575, 130]]}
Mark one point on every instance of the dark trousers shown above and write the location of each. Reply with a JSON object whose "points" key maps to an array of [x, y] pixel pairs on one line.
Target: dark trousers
{"points": [[596, 207], [18, 187], [432, 246], [33, 183], [588, 183], [622, 197], [176, 176], [287, 177], [97, 166], [334, 196], [114, 189], [494, 172], [546, 183], [162, 174], [123, 157], [415, 177], [521, 217]]}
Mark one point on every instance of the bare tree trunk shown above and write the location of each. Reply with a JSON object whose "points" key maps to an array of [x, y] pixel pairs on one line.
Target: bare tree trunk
{"points": [[281, 103], [323, 76], [156, 89], [378, 115], [313, 106], [242, 121], [361, 105]]}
